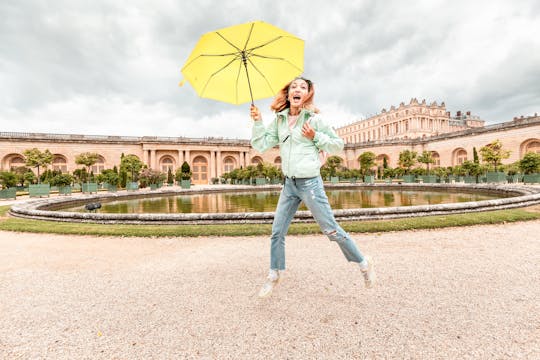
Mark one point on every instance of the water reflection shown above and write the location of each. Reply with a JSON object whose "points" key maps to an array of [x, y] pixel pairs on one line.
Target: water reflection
{"points": [[267, 200]]}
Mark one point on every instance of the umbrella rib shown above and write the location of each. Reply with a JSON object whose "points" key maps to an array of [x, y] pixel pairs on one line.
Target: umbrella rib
{"points": [[276, 58], [271, 41], [228, 42], [204, 55], [260, 73], [216, 72], [249, 35]]}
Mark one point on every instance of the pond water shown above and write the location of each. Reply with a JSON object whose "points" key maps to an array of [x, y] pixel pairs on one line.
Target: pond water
{"points": [[266, 201]]}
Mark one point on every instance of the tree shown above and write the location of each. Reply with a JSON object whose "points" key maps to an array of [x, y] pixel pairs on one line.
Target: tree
{"points": [[36, 158], [132, 165], [333, 163], [8, 179], [407, 159], [184, 173], [475, 155], [426, 158], [367, 161], [530, 163], [493, 153], [87, 159], [170, 176]]}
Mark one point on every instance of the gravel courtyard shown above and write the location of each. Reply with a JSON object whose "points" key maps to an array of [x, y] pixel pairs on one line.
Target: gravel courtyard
{"points": [[467, 293]]}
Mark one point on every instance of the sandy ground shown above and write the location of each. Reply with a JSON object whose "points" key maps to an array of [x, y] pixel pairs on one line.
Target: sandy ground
{"points": [[460, 293]]}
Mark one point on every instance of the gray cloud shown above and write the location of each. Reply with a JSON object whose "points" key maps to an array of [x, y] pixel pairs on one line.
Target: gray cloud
{"points": [[108, 62]]}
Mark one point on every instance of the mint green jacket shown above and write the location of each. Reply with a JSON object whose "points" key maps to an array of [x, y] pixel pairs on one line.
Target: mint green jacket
{"points": [[299, 155]]}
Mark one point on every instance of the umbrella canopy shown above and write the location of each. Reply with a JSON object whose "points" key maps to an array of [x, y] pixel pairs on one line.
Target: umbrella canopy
{"points": [[244, 62]]}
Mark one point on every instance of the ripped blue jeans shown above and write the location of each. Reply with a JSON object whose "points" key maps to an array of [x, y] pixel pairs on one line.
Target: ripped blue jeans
{"points": [[311, 192]]}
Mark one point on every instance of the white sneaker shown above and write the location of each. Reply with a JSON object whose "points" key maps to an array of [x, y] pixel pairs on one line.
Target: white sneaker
{"points": [[369, 273], [268, 286]]}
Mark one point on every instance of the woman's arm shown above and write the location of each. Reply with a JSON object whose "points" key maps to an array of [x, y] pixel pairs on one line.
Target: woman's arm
{"points": [[263, 138]]}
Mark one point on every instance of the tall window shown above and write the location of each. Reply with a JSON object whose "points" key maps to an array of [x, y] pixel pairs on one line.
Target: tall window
{"points": [[228, 164], [99, 166], [59, 163], [437, 158], [461, 156], [167, 164]]}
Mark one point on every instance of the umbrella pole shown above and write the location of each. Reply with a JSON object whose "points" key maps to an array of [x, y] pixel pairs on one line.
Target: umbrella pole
{"points": [[244, 59]]}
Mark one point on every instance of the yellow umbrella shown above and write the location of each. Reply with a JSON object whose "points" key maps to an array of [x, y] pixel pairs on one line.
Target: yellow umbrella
{"points": [[244, 62]]}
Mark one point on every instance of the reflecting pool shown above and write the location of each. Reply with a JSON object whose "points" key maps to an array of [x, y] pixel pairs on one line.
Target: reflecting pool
{"points": [[266, 201]]}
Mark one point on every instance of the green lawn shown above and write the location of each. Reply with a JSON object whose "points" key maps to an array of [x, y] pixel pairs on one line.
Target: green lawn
{"points": [[427, 222]]}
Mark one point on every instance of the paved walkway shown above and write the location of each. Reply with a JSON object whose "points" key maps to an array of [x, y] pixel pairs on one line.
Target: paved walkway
{"points": [[443, 294]]}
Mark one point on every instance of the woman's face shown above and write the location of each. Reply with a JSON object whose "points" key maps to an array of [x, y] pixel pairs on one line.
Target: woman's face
{"points": [[298, 92]]}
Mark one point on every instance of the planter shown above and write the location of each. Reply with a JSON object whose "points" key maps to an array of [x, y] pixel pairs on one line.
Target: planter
{"points": [[185, 184], [469, 179], [495, 177], [531, 178], [39, 190], [370, 179], [112, 188], [89, 188], [408, 178], [153, 186], [260, 181], [334, 179], [64, 190], [132, 186], [429, 179], [9, 193]]}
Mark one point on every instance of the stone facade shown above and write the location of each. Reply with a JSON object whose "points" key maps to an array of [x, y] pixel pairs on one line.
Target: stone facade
{"points": [[211, 157], [412, 121], [208, 157]]}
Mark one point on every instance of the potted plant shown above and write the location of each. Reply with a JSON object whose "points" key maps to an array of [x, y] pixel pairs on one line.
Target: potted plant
{"points": [[183, 175], [8, 181], [63, 182], [530, 166]]}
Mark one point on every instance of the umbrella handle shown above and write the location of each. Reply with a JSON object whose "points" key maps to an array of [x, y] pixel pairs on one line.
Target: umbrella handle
{"points": [[244, 60]]}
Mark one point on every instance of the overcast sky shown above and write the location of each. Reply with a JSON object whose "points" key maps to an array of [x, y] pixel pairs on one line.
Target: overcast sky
{"points": [[113, 67]]}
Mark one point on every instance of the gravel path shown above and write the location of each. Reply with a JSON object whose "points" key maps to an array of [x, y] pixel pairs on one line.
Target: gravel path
{"points": [[459, 293]]}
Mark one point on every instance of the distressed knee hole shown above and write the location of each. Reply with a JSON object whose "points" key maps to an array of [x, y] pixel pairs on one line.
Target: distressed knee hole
{"points": [[333, 235]]}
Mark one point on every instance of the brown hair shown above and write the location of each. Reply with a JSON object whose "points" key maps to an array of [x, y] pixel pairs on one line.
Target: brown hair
{"points": [[281, 101]]}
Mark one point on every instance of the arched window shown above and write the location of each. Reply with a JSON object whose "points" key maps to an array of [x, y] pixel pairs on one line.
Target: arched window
{"points": [[16, 161], [436, 158], [166, 164], [228, 164], [59, 163], [277, 162], [256, 160], [461, 156], [99, 166], [534, 147]]}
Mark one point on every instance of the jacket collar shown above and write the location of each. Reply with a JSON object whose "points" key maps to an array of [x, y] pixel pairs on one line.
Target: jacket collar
{"points": [[306, 113]]}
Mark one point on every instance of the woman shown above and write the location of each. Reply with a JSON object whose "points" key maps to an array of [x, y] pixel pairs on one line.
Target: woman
{"points": [[301, 135]]}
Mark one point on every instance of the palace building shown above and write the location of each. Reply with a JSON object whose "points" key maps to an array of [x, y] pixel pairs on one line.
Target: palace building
{"points": [[412, 121], [416, 126]]}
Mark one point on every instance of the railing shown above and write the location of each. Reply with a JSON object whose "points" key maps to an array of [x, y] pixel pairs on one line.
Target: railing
{"points": [[113, 138]]}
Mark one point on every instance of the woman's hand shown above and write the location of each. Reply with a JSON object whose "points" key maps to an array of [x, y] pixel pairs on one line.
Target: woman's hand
{"points": [[255, 113], [308, 131]]}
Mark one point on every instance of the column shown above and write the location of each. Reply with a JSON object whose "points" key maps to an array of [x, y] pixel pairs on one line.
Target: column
{"points": [[219, 169], [212, 164], [145, 157], [180, 158], [153, 162]]}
